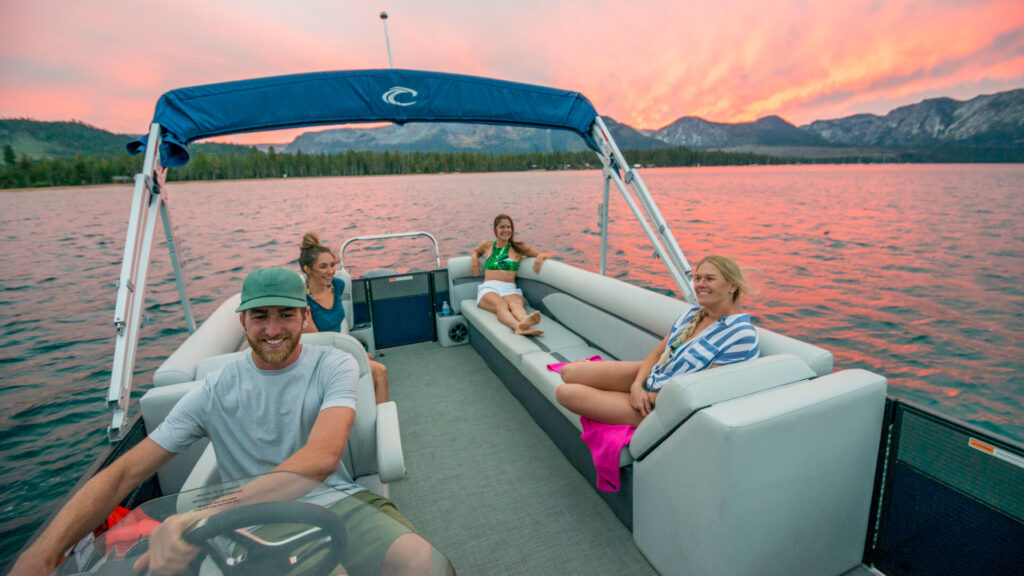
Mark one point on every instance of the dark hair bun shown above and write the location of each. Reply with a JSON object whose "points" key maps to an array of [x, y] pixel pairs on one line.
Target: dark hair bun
{"points": [[310, 240]]}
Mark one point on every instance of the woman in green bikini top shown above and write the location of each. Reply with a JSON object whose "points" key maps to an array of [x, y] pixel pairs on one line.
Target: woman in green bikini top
{"points": [[500, 259], [498, 293]]}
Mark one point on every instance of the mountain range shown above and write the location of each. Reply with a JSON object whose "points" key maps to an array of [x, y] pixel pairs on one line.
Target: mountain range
{"points": [[988, 121], [993, 121]]}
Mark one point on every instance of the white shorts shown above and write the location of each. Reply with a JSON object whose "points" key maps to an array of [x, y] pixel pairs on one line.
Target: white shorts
{"points": [[500, 288]]}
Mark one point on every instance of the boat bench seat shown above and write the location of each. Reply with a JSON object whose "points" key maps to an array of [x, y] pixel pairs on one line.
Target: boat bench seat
{"points": [[219, 334], [578, 323], [758, 427], [373, 455]]}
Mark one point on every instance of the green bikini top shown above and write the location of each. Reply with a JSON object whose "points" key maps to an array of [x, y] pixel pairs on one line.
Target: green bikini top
{"points": [[499, 260]]}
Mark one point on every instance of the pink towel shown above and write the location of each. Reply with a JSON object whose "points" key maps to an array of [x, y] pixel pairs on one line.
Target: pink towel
{"points": [[557, 366], [605, 442]]}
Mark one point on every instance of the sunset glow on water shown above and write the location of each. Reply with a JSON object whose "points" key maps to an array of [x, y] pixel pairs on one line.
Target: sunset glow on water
{"points": [[910, 271]]}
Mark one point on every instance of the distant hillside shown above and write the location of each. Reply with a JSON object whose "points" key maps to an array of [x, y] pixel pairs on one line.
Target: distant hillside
{"points": [[698, 133], [629, 138], [38, 140], [58, 139], [994, 121], [439, 137], [457, 137]]}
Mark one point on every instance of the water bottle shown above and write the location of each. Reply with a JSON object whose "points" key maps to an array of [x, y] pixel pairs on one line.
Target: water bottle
{"points": [[445, 310]]}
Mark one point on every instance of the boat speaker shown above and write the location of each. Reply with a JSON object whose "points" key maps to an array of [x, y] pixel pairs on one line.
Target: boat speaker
{"points": [[452, 330]]}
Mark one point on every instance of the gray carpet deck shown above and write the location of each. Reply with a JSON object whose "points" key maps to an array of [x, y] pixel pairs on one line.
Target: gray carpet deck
{"points": [[485, 485]]}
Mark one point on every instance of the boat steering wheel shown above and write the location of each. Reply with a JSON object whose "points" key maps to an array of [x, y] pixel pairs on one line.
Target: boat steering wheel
{"points": [[254, 555]]}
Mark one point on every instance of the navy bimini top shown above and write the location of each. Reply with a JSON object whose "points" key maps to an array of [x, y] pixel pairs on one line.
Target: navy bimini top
{"points": [[328, 320]]}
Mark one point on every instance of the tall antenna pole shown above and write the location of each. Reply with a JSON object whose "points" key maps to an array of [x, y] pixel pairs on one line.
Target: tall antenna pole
{"points": [[384, 18]]}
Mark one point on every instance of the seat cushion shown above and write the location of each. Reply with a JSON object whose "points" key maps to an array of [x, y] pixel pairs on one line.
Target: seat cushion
{"points": [[219, 334], [556, 338], [534, 367]]}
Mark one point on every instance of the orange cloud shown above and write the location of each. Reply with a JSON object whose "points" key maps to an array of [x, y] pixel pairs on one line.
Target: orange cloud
{"points": [[640, 62]]}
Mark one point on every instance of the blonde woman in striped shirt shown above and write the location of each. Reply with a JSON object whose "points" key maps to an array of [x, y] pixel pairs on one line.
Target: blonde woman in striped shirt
{"points": [[714, 334]]}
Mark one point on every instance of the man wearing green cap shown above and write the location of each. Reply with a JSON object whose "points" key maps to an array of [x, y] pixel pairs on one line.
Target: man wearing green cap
{"points": [[283, 407]]}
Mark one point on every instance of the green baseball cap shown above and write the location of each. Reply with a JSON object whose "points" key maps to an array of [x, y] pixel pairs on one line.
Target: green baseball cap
{"points": [[274, 286]]}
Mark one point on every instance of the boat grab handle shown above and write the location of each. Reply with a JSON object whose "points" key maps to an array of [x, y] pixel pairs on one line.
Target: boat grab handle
{"points": [[341, 253]]}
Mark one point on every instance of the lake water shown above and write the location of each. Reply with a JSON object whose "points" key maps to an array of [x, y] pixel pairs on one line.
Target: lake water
{"points": [[911, 271]]}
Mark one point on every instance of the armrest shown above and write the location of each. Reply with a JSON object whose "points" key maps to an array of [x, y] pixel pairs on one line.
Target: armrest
{"points": [[203, 474], [390, 459], [459, 267], [681, 396]]}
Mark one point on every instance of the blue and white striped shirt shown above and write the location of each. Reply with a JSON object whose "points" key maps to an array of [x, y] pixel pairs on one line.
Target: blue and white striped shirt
{"points": [[728, 340]]}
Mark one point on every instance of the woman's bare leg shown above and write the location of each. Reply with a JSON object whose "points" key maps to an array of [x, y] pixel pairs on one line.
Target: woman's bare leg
{"points": [[500, 307], [614, 375], [606, 406], [600, 391], [379, 373], [517, 305]]}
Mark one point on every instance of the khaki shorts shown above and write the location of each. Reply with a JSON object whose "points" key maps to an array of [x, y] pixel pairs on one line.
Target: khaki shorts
{"points": [[373, 525]]}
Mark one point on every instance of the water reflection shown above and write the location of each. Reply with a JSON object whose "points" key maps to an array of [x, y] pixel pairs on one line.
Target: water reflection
{"points": [[910, 271]]}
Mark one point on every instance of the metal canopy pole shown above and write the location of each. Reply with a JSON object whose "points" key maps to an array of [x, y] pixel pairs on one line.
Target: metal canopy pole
{"points": [[602, 215], [179, 277], [131, 286], [650, 217]]}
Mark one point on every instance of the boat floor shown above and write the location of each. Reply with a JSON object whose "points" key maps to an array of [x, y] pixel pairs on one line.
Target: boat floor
{"points": [[485, 484]]}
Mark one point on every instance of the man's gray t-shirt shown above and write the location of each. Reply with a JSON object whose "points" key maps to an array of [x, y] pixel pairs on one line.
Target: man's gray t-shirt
{"points": [[257, 419]]}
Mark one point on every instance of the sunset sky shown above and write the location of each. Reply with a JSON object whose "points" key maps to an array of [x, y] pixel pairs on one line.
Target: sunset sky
{"points": [[643, 63]]}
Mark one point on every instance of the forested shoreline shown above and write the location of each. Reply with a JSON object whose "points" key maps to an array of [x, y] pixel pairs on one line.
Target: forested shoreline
{"points": [[94, 169]]}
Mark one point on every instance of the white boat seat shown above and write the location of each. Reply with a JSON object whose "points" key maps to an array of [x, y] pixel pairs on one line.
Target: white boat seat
{"points": [[214, 363], [587, 314], [534, 367], [556, 338], [154, 405], [219, 334], [776, 482], [682, 396], [817, 359]]}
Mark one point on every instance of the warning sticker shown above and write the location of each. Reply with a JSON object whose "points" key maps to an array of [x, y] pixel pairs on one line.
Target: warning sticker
{"points": [[997, 452]]}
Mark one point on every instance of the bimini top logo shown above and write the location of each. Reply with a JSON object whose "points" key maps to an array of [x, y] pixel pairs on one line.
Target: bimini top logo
{"points": [[407, 94]]}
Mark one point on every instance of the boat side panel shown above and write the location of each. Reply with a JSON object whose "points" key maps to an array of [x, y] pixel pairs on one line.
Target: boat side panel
{"points": [[936, 530], [953, 499]]}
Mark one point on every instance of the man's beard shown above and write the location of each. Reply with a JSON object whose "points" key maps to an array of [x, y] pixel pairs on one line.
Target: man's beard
{"points": [[277, 355]]}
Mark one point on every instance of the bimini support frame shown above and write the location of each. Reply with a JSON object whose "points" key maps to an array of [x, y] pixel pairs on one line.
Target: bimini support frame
{"points": [[147, 201], [643, 207]]}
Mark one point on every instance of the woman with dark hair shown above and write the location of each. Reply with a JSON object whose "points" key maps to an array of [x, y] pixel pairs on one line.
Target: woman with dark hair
{"points": [[498, 293], [323, 296], [713, 334]]}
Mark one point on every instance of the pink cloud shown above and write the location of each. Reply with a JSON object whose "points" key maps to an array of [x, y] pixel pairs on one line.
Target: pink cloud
{"points": [[642, 63]]}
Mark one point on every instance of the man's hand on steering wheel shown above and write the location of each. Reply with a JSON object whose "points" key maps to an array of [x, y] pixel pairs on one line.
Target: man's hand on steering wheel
{"points": [[168, 553]]}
